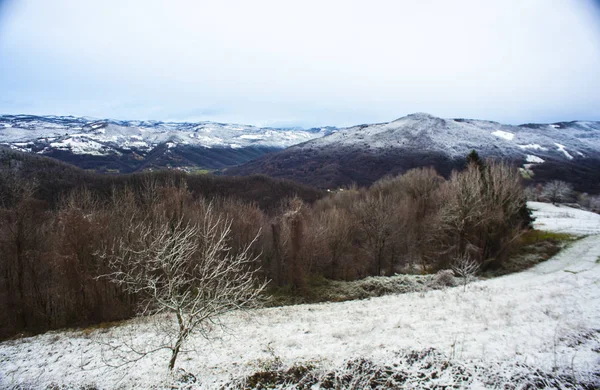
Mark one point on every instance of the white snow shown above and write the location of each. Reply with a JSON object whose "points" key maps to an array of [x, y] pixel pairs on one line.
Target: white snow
{"points": [[504, 134], [561, 148], [530, 158], [138, 144], [116, 134], [80, 146], [455, 138], [252, 136], [532, 146], [564, 219], [536, 317]]}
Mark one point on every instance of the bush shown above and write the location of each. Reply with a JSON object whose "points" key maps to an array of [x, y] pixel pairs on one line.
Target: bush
{"points": [[444, 278]]}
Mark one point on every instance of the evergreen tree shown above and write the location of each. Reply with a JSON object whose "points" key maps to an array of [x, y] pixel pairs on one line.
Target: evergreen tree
{"points": [[473, 158]]}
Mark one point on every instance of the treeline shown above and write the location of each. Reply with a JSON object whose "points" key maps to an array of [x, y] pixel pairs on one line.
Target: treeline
{"points": [[55, 179], [418, 222]]}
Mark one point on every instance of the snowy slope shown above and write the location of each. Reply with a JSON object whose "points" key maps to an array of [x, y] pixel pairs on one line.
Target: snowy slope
{"points": [[546, 318], [88, 136], [129, 146], [363, 154], [457, 137], [564, 219]]}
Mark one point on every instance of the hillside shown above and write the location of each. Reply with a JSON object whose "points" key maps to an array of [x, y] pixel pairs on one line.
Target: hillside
{"points": [[362, 154], [55, 179], [537, 328], [117, 146]]}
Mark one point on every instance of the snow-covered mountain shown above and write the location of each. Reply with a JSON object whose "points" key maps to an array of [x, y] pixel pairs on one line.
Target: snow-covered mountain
{"points": [[326, 157], [125, 145], [366, 152], [456, 137]]}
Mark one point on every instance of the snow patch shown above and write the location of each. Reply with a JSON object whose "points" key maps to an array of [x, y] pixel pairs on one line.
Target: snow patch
{"points": [[561, 148], [80, 146], [530, 158], [532, 146], [504, 134], [252, 136]]}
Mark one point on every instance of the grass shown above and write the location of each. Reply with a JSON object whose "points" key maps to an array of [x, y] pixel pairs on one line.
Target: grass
{"points": [[536, 236], [198, 170], [320, 289], [534, 247], [426, 368]]}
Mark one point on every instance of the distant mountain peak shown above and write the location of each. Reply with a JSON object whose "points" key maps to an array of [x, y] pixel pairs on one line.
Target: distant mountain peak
{"points": [[364, 153], [420, 116]]}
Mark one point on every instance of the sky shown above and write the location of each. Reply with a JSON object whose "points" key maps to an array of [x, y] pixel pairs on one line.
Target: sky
{"points": [[301, 63]]}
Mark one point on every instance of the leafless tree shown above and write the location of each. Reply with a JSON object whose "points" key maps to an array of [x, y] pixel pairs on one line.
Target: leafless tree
{"points": [[594, 202], [337, 238], [463, 213], [482, 214], [376, 219], [466, 268], [557, 191], [187, 269]]}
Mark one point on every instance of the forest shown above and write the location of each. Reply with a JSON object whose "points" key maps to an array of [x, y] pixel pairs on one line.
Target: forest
{"points": [[60, 228]]}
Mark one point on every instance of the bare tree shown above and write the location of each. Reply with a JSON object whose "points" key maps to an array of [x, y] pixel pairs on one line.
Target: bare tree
{"points": [[462, 215], [557, 191], [186, 269], [337, 238], [376, 219], [466, 268]]}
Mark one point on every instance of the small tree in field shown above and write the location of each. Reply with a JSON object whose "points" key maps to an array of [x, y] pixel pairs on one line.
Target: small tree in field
{"points": [[466, 268], [186, 269]]}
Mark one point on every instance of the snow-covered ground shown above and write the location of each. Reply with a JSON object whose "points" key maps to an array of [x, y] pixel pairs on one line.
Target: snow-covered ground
{"points": [[564, 219], [547, 317]]}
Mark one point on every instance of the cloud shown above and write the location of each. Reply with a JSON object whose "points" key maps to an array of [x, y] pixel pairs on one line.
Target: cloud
{"points": [[303, 62]]}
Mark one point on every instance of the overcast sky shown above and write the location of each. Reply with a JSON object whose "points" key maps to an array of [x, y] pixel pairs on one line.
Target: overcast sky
{"points": [[306, 63]]}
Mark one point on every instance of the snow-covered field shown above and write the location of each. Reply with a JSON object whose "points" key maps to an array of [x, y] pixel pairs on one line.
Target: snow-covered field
{"points": [[564, 219], [546, 318]]}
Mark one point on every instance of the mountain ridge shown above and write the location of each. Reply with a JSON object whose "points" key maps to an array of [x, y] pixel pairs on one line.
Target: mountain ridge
{"points": [[109, 145], [325, 157], [365, 153]]}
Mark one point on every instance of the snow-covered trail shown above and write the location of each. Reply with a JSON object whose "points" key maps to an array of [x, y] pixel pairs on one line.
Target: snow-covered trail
{"points": [[579, 257], [547, 316]]}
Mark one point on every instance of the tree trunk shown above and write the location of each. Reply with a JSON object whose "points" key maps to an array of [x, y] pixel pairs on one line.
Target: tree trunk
{"points": [[174, 353]]}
